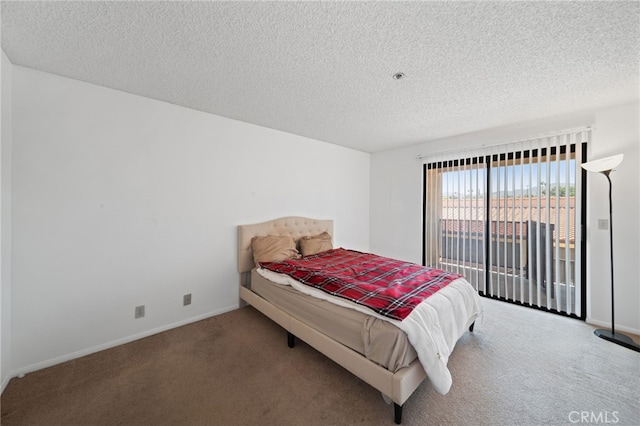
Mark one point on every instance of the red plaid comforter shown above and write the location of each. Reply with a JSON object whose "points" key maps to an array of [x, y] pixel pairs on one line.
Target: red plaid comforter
{"points": [[390, 287]]}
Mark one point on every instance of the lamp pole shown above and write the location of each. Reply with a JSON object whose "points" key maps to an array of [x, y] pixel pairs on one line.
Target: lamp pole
{"points": [[613, 322], [605, 166]]}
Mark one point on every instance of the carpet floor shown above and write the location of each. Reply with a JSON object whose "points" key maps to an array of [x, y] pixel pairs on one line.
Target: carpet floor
{"points": [[519, 367]]}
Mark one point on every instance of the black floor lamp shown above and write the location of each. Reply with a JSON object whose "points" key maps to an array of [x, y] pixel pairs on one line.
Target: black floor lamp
{"points": [[605, 166]]}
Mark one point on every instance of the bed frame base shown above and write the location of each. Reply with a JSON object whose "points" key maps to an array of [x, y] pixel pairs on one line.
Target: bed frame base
{"points": [[397, 408], [397, 386]]}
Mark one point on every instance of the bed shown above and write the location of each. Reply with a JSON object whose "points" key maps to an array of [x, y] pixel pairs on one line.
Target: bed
{"points": [[370, 347]]}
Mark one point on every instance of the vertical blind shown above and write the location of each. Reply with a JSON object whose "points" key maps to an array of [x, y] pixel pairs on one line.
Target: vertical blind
{"points": [[509, 219]]}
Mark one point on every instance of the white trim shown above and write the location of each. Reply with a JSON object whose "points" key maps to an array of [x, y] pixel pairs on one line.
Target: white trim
{"points": [[604, 324], [5, 382], [68, 357]]}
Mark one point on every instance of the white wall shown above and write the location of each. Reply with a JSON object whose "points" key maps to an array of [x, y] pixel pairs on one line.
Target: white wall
{"points": [[617, 131], [396, 202], [5, 221], [119, 201]]}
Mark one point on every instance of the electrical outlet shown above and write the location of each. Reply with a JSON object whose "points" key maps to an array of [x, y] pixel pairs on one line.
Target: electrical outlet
{"points": [[186, 299], [139, 311], [603, 224]]}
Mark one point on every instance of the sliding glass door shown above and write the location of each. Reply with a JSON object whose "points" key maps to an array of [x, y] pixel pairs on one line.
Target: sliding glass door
{"points": [[510, 220]]}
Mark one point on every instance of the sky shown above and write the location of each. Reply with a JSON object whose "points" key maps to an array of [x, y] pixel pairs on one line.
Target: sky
{"points": [[513, 178]]}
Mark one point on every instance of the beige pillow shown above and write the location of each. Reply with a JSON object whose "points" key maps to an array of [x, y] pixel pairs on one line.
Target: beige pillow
{"points": [[315, 244], [273, 248]]}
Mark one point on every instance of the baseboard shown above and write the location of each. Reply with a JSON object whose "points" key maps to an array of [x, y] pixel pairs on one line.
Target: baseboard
{"points": [[64, 358], [5, 382], [607, 325]]}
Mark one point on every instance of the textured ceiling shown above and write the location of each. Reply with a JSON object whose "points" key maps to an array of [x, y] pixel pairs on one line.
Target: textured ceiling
{"points": [[324, 69]]}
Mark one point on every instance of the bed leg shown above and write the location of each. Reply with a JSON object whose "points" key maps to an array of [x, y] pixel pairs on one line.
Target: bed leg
{"points": [[291, 340], [397, 411], [471, 326]]}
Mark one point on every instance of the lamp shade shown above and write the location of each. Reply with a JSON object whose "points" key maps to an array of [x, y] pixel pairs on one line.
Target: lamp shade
{"points": [[603, 164]]}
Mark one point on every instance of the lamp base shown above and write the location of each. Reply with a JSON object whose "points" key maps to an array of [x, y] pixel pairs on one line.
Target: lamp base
{"points": [[618, 339]]}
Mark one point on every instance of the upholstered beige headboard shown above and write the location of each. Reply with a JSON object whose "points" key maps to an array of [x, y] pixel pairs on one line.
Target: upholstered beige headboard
{"points": [[293, 226]]}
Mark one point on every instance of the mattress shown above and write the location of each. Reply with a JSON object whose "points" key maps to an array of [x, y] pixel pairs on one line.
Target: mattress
{"points": [[378, 340]]}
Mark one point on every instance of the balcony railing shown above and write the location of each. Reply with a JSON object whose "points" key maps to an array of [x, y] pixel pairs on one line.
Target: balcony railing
{"points": [[514, 250]]}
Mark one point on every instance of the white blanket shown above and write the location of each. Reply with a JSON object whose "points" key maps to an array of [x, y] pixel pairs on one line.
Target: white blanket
{"points": [[433, 327]]}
